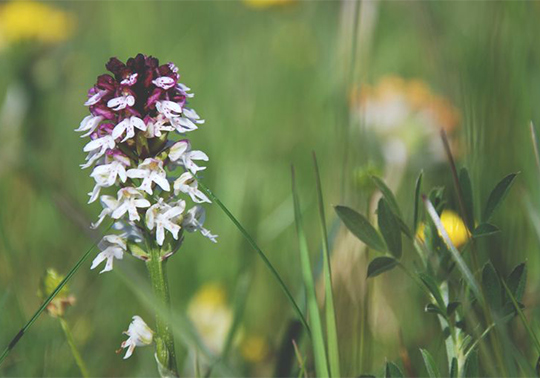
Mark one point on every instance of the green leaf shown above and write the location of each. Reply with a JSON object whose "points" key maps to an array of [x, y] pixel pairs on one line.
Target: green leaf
{"points": [[388, 195], [418, 188], [454, 368], [431, 366], [331, 331], [466, 190], [380, 265], [498, 194], [485, 229], [492, 287], [360, 227], [319, 352], [471, 368], [261, 254], [392, 371], [392, 203], [434, 309], [451, 308], [389, 227], [517, 281], [433, 288]]}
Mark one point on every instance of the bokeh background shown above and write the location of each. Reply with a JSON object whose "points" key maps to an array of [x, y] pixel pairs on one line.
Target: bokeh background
{"points": [[366, 85]]}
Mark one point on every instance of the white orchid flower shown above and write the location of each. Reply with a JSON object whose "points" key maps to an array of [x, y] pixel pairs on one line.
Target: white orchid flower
{"points": [[187, 184], [119, 103], [162, 216], [139, 334], [150, 171], [181, 153], [129, 200], [194, 220], [128, 126], [112, 247]]}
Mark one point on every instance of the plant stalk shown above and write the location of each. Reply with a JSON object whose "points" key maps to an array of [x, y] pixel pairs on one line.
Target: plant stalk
{"points": [[165, 353], [76, 355]]}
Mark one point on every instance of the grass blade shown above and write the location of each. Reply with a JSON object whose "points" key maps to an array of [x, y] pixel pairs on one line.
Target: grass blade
{"points": [[254, 245], [331, 331], [42, 308], [517, 307], [321, 364]]}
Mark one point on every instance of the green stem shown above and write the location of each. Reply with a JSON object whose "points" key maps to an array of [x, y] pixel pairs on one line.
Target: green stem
{"points": [[163, 338], [78, 359]]}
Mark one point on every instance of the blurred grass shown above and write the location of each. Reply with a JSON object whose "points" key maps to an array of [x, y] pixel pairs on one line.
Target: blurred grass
{"points": [[268, 83]]}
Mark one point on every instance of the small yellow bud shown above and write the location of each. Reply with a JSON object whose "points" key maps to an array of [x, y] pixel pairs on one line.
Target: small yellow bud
{"points": [[254, 349], [454, 226], [267, 3]]}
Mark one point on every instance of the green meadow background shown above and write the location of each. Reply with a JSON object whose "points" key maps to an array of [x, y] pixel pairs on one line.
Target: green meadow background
{"points": [[273, 85]]}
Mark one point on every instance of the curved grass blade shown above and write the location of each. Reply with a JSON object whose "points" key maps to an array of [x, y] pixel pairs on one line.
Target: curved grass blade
{"points": [[254, 245], [331, 331], [517, 307], [42, 308], [319, 352]]}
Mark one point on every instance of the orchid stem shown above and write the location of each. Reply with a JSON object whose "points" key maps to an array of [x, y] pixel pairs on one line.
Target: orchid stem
{"points": [[76, 355], [165, 353]]}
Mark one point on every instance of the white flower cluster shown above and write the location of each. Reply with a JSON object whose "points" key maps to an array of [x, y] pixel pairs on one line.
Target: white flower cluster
{"points": [[132, 116]]}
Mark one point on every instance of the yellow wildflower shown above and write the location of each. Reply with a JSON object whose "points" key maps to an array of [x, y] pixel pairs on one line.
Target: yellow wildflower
{"points": [[454, 226], [34, 21], [267, 3], [211, 316], [254, 349]]}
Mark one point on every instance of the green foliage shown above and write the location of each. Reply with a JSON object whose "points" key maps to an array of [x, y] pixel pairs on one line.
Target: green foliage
{"points": [[360, 227], [498, 194], [380, 265], [392, 371], [389, 227], [467, 192], [431, 366]]}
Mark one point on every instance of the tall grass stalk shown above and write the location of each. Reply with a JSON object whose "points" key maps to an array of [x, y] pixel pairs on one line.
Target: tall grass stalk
{"points": [[330, 312], [76, 355], [321, 364], [254, 245]]}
